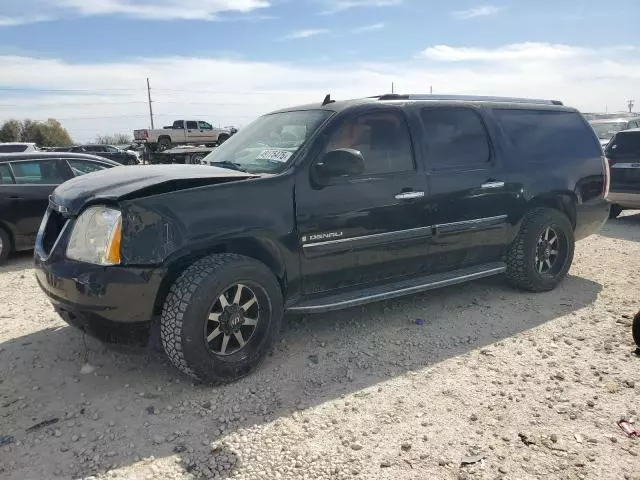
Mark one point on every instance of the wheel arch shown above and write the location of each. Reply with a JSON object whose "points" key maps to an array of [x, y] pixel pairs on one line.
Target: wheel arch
{"points": [[565, 202], [263, 250]]}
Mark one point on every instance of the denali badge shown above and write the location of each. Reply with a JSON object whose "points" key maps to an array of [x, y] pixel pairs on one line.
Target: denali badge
{"points": [[322, 236]]}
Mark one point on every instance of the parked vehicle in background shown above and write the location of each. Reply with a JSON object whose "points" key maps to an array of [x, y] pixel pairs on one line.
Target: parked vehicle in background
{"points": [[322, 207], [623, 155], [182, 132], [26, 181], [108, 151], [606, 128], [17, 147]]}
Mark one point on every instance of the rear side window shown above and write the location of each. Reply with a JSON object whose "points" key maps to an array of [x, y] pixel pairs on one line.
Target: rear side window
{"points": [[545, 135], [82, 167], [626, 143], [5, 174], [43, 172], [454, 137], [192, 125]]}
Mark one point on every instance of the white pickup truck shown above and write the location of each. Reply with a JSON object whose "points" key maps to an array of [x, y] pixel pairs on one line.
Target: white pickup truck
{"points": [[182, 132]]}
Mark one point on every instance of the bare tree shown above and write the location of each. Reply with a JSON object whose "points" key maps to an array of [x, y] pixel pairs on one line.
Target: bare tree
{"points": [[115, 139]]}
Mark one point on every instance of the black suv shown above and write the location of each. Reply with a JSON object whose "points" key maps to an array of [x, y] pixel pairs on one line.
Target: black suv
{"points": [[322, 207], [623, 155]]}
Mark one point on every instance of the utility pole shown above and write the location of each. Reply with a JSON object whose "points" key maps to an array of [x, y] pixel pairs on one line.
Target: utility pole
{"points": [[393, 88], [631, 104], [430, 89], [150, 107]]}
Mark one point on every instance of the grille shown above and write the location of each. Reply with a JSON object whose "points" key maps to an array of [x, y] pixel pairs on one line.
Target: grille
{"points": [[52, 230]]}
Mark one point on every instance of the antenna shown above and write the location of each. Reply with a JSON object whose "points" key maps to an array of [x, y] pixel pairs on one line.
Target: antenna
{"points": [[327, 100]]}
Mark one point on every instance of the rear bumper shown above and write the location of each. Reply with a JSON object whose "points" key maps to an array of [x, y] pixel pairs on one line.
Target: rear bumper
{"points": [[625, 199], [590, 218]]}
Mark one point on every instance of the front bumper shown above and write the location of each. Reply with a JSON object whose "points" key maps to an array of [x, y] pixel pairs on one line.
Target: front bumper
{"points": [[114, 304], [625, 199]]}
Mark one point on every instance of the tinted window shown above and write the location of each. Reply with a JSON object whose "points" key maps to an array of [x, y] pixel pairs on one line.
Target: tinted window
{"points": [[382, 138], [12, 148], [625, 144], [42, 172], [82, 167], [179, 124], [111, 149], [204, 126], [544, 135], [454, 137], [5, 174], [192, 125]]}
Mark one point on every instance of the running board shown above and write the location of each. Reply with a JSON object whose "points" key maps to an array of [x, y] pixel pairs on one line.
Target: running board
{"points": [[397, 289]]}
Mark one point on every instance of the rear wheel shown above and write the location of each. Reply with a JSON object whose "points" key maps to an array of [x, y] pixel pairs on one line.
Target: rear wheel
{"points": [[222, 139], [220, 317], [615, 211], [542, 253], [635, 329], [164, 143], [5, 246]]}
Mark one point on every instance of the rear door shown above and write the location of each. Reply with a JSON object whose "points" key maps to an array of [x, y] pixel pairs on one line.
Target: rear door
{"points": [[370, 227], [623, 153], [27, 199], [468, 198], [193, 131]]}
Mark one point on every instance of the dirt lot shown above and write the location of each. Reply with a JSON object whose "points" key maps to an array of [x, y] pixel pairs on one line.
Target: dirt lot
{"points": [[518, 385]]}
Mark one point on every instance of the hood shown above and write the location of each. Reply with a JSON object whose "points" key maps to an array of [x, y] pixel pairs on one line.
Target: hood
{"points": [[121, 183]]}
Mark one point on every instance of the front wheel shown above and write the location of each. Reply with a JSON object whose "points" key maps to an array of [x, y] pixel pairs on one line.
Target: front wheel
{"points": [[615, 211], [220, 317], [542, 253], [5, 246]]}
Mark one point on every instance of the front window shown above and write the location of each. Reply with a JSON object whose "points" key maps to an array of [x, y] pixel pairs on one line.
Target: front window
{"points": [[605, 131], [268, 144]]}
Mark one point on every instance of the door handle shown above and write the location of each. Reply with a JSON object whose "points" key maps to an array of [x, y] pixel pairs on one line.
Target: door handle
{"points": [[493, 184], [13, 197], [409, 195]]}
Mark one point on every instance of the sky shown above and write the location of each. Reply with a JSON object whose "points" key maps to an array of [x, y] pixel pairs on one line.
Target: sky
{"points": [[85, 62]]}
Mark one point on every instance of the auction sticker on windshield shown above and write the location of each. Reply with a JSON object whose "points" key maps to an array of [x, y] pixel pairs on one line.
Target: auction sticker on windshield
{"points": [[275, 155]]}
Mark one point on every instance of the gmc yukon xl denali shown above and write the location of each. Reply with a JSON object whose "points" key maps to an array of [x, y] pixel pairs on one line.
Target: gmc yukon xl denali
{"points": [[317, 208]]}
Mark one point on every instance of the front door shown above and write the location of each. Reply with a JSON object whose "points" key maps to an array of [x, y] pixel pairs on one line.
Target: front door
{"points": [[370, 227], [469, 195]]}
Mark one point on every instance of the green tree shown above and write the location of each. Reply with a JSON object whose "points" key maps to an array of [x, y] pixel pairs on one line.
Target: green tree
{"points": [[10, 131], [44, 134]]}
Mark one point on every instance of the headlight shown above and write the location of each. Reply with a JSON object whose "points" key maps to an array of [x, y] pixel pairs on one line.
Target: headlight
{"points": [[96, 237]]}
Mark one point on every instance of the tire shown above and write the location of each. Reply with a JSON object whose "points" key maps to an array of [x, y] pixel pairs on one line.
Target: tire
{"points": [[526, 254], [164, 143], [615, 211], [193, 300], [222, 139], [196, 158], [5, 246], [635, 329]]}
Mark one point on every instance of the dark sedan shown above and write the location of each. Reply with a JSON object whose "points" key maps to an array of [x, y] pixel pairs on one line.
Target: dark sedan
{"points": [[26, 181], [108, 151]]}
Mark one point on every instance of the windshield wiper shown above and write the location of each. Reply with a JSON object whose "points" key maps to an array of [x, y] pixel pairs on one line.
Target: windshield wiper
{"points": [[229, 165]]}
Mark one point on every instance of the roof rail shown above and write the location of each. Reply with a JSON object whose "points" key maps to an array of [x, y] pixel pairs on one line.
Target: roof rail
{"points": [[468, 98]]}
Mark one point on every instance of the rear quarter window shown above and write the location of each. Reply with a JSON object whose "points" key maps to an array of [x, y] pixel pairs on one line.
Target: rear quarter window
{"points": [[546, 135], [625, 143]]}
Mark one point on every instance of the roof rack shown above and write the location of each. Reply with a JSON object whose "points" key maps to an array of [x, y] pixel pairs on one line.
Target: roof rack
{"points": [[467, 98]]}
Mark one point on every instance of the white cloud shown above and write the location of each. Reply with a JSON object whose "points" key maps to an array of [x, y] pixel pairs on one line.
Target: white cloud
{"points": [[482, 11], [335, 6], [32, 11], [368, 28], [514, 52], [310, 32], [111, 97]]}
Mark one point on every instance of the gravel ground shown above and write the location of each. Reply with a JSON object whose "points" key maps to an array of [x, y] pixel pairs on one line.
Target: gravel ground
{"points": [[495, 384]]}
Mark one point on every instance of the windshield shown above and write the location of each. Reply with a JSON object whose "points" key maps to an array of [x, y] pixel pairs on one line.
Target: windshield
{"points": [[267, 144], [605, 131]]}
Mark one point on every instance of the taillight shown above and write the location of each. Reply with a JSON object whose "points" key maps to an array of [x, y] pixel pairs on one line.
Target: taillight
{"points": [[606, 163]]}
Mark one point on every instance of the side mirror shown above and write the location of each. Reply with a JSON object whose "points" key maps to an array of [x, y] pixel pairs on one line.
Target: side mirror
{"points": [[339, 163]]}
